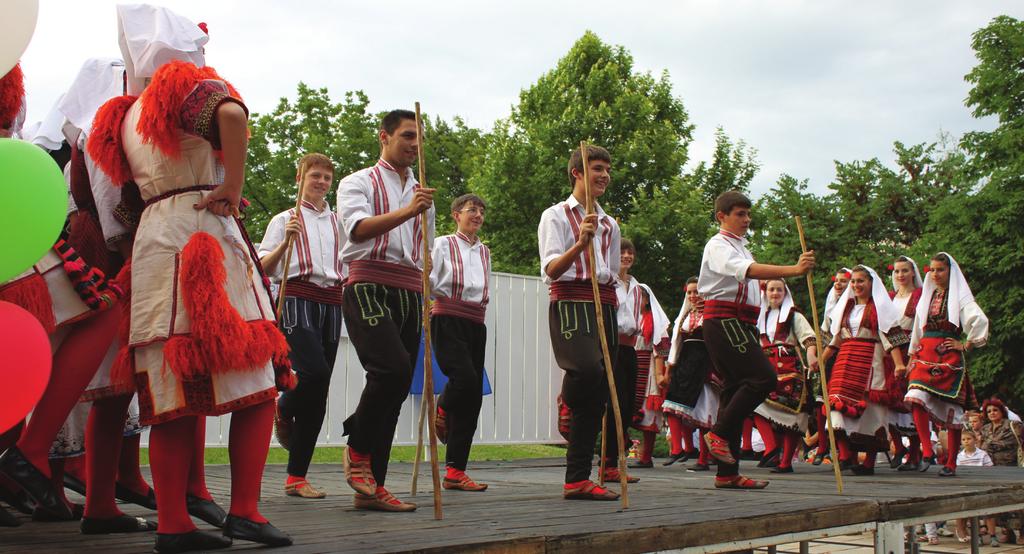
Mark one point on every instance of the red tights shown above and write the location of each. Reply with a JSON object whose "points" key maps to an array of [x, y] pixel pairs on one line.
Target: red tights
{"points": [[748, 434], [128, 474], [648, 446], [790, 440], [704, 457], [103, 440], [174, 452], [74, 365], [764, 428], [677, 434]]}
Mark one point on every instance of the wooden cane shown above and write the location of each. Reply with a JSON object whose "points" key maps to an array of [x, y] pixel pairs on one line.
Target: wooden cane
{"points": [[419, 445], [290, 240], [604, 435], [821, 366], [428, 366], [599, 313]]}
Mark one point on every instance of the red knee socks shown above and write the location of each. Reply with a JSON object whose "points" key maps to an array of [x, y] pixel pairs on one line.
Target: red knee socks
{"points": [[56, 467], [103, 437], [128, 473], [748, 435], [171, 453], [704, 457], [648, 446], [823, 446], [790, 441], [843, 445], [687, 436], [764, 428], [248, 444], [952, 446], [197, 468], [675, 435], [914, 449], [74, 365], [923, 422]]}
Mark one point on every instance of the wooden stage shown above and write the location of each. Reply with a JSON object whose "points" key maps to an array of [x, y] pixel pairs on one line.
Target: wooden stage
{"points": [[523, 512]]}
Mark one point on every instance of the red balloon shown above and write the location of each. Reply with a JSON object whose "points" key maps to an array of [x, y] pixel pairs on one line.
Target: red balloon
{"points": [[25, 363]]}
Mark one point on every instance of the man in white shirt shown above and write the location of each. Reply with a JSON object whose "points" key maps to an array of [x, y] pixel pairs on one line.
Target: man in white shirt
{"points": [[311, 315], [732, 301], [564, 235], [460, 281], [380, 209]]}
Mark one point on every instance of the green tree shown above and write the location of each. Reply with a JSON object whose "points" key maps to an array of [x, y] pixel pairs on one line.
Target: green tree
{"points": [[592, 94]]}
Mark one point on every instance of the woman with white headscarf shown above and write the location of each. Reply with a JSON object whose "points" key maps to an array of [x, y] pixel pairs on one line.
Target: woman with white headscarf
{"points": [[905, 294], [864, 329], [840, 281], [947, 324], [783, 330], [652, 345]]}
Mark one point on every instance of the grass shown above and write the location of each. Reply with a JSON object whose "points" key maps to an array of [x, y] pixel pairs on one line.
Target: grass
{"points": [[332, 454]]}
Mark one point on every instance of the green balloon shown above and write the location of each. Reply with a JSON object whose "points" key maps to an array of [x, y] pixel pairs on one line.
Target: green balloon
{"points": [[33, 205]]}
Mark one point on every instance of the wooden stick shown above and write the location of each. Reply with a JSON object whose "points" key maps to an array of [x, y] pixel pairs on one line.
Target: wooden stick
{"points": [[419, 445], [599, 313], [821, 366], [291, 240], [604, 448], [428, 366]]}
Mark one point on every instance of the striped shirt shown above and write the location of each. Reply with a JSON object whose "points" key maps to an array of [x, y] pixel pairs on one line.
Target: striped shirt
{"points": [[461, 269], [315, 252], [560, 228]]}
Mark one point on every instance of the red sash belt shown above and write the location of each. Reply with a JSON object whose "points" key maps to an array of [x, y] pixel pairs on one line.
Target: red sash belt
{"points": [[386, 273], [582, 291], [723, 309], [459, 308], [314, 293]]}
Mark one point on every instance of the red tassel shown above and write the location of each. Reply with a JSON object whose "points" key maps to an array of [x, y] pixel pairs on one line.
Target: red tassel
{"points": [[31, 294], [86, 238], [12, 95], [104, 143], [159, 122]]}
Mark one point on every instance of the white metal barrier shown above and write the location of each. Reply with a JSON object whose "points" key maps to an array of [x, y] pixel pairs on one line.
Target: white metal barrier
{"points": [[524, 377]]}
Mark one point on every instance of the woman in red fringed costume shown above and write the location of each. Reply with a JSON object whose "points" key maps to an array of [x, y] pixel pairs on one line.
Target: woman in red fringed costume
{"points": [[864, 329], [202, 337], [905, 294], [651, 348], [948, 323]]}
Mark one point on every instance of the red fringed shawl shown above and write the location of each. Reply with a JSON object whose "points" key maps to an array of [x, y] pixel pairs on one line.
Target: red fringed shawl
{"points": [[12, 94]]}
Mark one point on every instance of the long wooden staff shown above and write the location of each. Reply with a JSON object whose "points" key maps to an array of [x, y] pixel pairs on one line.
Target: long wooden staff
{"points": [[419, 442], [599, 313], [428, 366], [291, 239], [821, 366]]}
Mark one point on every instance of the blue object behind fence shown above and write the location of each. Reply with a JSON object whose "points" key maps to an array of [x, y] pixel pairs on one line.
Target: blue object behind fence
{"points": [[439, 378]]}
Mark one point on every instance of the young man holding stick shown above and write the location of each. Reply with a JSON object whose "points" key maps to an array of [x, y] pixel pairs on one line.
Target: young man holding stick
{"points": [[732, 301], [379, 209], [565, 233], [310, 317]]}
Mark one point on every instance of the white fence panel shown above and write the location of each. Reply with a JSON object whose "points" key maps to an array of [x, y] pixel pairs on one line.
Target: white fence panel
{"points": [[522, 371]]}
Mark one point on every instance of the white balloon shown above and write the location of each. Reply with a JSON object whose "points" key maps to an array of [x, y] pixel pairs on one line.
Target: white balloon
{"points": [[19, 17]]}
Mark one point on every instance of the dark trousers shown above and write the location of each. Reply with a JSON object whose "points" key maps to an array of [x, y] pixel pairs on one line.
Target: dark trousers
{"points": [[312, 330], [459, 345], [577, 349], [384, 325], [625, 370], [748, 377]]}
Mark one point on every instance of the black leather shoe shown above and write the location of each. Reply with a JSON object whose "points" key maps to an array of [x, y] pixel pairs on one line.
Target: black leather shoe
{"points": [[206, 510], [780, 469], [132, 497], [119, 524], [749, 455], [642, 465], [74, 483], [895, 462], [19, 500], [769, 459], [44, 515], [908, 466], [681, 457], [861, 470], [698, 467], [926, 463], [7, 519], [15, 465], [846, 464], [172, 543], [248, 530], [818, 459], [947, 472]]}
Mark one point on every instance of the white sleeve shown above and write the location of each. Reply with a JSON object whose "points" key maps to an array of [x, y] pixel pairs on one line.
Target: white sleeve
{"points": [[353, 202], [615, 251], [438, 257], [975, 324], [676, 335], [625, 317], [107, 197], [724, 260], [274, 235], [549, 240], [801, 328]]}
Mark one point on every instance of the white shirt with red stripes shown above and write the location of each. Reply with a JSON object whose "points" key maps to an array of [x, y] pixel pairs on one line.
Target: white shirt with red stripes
{"points": [[376, 191], [630, 307], [315, 252], [462, 269], [723, 271], [558, 230]]}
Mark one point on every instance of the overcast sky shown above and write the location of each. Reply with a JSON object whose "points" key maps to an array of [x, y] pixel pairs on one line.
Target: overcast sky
{"points": [[804, 82]]}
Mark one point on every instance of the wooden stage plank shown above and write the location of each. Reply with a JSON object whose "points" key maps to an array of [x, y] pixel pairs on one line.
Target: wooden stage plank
{"points": [[523, 511]]}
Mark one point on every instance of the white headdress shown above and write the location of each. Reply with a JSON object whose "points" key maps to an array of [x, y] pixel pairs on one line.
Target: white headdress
{"points": [[958, 295], [151, 36], [918, 283], [885, 310], [784, 309], [99, 80]]}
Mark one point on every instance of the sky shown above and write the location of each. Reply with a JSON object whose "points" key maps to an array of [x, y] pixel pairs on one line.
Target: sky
{"points": [[804, 82]]}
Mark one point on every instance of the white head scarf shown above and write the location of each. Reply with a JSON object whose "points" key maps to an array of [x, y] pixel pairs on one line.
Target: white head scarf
{"points": [[47, 134], [151, 36], [918, 283], [830, 302], [958, 294], [784, 309], [886, 312], [98, 80], [661, 321]]}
